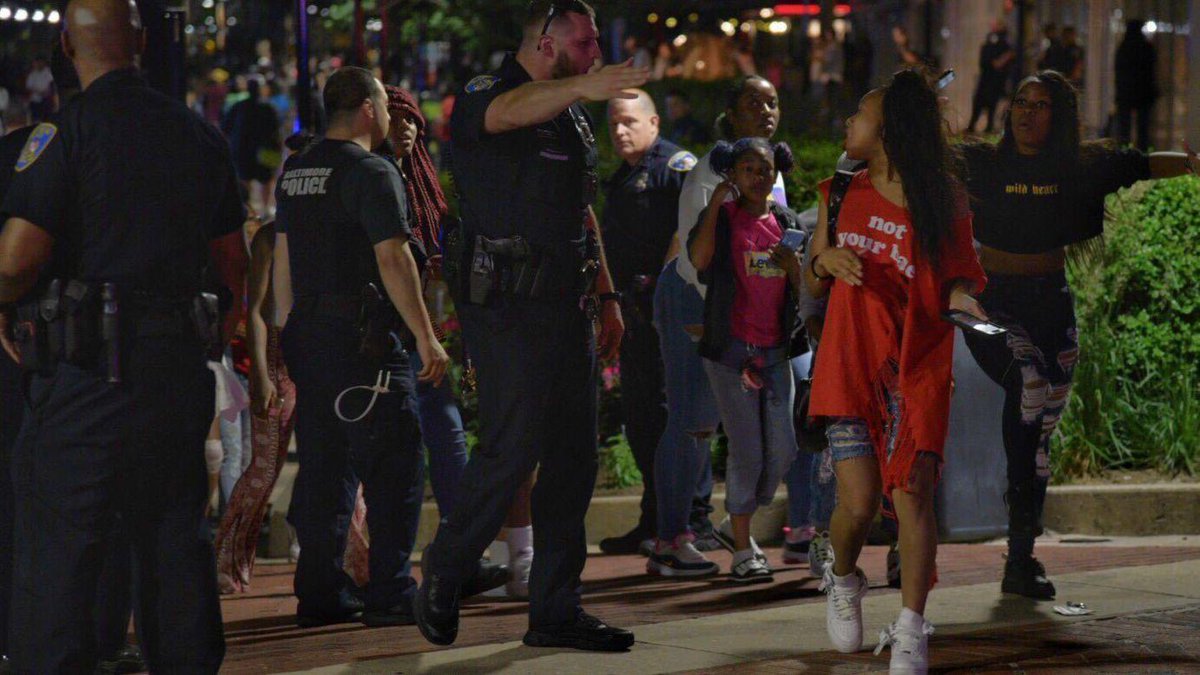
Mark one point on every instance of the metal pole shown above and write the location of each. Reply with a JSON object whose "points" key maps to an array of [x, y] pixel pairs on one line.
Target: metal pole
{"points": [[304, 99]]}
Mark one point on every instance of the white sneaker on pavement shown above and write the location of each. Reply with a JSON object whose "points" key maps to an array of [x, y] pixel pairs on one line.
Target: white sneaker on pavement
{"points": [[679, 559], [843, 609], [910, 645]]}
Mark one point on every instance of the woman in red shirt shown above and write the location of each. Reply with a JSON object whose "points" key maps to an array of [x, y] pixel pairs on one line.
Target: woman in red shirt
{"points": [[903, 254]]}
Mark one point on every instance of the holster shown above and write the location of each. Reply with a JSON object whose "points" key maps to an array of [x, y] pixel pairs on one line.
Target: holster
{"points": [[71, 322], [456, 259], [377, 320]]}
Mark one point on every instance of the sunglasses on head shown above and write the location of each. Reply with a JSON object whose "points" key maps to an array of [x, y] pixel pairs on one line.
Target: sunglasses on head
{"points": [[557, 9]]}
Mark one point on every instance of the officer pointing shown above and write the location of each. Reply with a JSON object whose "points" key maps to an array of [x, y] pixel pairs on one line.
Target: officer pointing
{"points": [[522, 267], [112, 207]]}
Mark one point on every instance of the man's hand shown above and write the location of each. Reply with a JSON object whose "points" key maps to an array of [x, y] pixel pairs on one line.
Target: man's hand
{"points": [[8, 321], [602, 83], [840, 262], [612, 329], [435, 361]]}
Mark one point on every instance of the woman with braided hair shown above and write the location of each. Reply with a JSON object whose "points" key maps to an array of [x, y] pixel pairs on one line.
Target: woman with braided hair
{"points": [[440, 419]]}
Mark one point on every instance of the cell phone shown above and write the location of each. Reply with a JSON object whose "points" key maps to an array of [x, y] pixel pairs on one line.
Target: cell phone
{"points": [[973, 323], [794, 240], [945, 79]]}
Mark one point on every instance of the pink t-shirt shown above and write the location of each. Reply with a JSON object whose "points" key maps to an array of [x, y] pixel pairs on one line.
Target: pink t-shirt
{"points": [[761, 284]]}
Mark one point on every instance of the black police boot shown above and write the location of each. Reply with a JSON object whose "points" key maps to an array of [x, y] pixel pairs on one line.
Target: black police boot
{"points": [[584, 632], [349, 609], [630, 542], [436, 609], [1027, 577], [128, 660], [400, 614], [487, 576]]}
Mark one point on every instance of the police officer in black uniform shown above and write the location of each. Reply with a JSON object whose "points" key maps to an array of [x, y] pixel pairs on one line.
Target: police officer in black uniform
{"points": [[641, 212], [345, 249], [110, 213], [524, 163]]}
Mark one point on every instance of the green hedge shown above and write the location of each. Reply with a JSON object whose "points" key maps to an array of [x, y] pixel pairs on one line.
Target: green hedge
{"points": [[1136, 402]]}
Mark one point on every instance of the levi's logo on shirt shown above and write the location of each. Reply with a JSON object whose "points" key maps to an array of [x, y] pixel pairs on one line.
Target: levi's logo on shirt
{"points": [[759, 264]]}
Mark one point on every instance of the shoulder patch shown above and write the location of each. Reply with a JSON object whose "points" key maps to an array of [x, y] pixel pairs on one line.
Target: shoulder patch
{"points": [[38, 140], [682, 161], [481, 83]]}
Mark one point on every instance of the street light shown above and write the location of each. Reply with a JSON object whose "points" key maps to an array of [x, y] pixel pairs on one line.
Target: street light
{"points": [[5, 14], [53, 16], [21, 15], [39, 16]]}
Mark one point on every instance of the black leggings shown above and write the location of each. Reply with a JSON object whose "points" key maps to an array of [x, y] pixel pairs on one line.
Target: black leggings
{"points": [[1035, 363]]}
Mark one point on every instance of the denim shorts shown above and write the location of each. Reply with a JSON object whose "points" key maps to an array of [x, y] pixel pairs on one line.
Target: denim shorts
{"points": [[850, 437]]}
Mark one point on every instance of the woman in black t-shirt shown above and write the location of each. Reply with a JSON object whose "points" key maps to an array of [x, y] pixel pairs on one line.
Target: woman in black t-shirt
{"points": [[1035, 193]]}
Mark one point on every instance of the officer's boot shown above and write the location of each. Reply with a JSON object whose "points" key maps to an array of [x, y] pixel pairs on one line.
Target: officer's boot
{"points": [[1025, 575]]}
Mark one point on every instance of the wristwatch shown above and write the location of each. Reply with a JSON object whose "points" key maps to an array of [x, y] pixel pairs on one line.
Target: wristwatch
{"points": [[605, 297]]}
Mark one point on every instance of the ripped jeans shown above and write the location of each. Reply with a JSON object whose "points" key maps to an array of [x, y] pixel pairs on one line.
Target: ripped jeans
{"points": [[1035, 363]]}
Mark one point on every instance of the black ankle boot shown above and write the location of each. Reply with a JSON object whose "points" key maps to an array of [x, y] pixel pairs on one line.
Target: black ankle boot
{"points": [[1027, 577]]}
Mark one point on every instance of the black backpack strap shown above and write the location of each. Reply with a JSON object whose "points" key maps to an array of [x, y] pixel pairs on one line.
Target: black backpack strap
{"points": [[837, 192]]}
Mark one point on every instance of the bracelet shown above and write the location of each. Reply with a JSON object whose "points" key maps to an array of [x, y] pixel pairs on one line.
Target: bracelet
{"points": [[605, 297], [812, 266]]}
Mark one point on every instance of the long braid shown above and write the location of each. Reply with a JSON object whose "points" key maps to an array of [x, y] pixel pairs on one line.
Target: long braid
{"points": [[424, 190]]}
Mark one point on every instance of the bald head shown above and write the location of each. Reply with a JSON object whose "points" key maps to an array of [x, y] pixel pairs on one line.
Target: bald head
{"points": [[643, 105], [633, 125], [102, 35]]}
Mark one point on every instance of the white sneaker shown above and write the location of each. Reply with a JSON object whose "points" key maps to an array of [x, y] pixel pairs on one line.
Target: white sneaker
{"points": [[723, 533], [748, 568], [679, 559], [843, 610], [820, 553], [910, 648]]}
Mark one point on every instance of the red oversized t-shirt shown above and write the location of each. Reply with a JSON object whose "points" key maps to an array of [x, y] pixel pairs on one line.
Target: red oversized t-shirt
{"points": [[892, 324]]}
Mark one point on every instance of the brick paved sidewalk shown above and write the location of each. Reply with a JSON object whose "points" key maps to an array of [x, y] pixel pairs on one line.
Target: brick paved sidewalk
{"points": [[1152, 642], [262, 636]]}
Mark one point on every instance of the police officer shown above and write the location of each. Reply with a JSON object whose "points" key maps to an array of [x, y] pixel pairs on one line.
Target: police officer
{"points": [[524, 163], [344, 250], [110, 211], [640, 218]]}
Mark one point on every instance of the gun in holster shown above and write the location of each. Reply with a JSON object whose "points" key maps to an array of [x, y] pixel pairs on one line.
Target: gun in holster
{"points": [[71, 322], [206, 318], [377, 320]]}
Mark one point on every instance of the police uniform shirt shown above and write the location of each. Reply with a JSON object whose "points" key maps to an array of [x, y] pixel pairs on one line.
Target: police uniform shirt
{"points": [[641, 209], [131, 184], [335, 201], [10, 150], [535, 181]]}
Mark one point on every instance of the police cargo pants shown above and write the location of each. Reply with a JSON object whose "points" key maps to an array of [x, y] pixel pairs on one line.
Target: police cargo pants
{"points": [[537, 408], [90, 450], [382, 451]]}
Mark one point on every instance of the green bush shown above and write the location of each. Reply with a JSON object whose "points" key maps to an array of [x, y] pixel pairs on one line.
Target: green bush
{"points": [[1135, 404]]}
